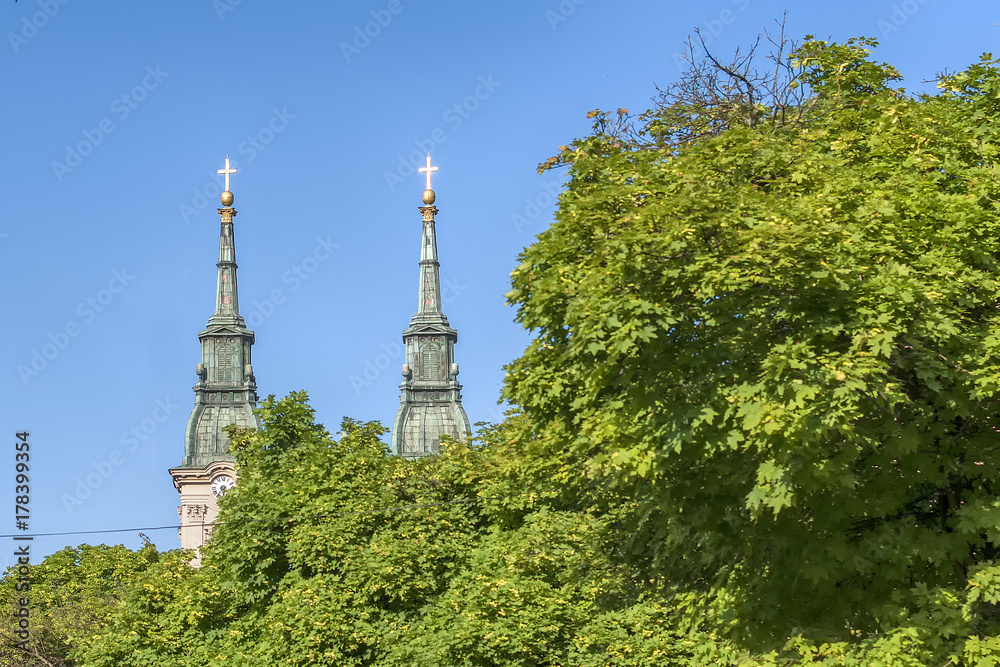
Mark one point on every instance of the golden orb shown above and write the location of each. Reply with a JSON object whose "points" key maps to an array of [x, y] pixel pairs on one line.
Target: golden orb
{"points": [[227, 198], [429, 196]]}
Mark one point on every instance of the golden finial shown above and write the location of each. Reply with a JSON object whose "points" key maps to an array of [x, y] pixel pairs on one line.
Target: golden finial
{"points": [[227, 195], [429, 195]]}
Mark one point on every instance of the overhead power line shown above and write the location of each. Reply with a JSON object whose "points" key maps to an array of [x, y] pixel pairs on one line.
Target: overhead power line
{"points": [[272, 519]]}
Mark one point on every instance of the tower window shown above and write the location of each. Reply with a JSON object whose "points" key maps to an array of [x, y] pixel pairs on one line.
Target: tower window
{"points": [[225, 362]]}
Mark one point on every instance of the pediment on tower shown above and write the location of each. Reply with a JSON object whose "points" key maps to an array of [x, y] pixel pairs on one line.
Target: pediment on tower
{"points": [[226, 330], [430, 330]]}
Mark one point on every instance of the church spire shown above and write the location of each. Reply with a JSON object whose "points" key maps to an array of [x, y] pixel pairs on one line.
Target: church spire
{"points": [[429, 291], [227, 300], [430, 394], [225, 394]]}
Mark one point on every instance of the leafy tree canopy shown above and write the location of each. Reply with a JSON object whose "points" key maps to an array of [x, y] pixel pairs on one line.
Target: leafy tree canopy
{"points": [[331, 552], [72, 594], [772, 323]]}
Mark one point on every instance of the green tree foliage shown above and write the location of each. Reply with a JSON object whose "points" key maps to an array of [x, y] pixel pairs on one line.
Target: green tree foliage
{"points": [[366, 559], [331, 552], [781, 340], [72, 595]]}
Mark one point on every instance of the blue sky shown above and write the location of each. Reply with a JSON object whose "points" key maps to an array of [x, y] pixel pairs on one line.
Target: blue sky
{"points": [[117, 116]]}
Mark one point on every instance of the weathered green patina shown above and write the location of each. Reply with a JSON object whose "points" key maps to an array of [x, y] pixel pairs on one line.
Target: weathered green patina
{"points": [[430, 394]]}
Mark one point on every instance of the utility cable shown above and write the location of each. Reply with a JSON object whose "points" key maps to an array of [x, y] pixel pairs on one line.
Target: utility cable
{"points": [[237, 521]]}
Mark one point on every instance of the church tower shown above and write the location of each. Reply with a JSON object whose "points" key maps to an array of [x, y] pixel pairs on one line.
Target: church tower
{"points": [[430, 395], [225, 394]]}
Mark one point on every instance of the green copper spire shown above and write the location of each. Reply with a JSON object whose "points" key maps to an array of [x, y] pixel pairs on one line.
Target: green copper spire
{"points": [[226, 392], [429, 292], [227, 299], [430, 394]]}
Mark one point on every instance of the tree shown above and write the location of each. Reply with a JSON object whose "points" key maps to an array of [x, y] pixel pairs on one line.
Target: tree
{"points": [[332, 552], [781, 342], [72, 595]]}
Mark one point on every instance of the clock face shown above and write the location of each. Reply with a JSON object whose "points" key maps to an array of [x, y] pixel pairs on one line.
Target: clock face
{"points": [[221, 484]]}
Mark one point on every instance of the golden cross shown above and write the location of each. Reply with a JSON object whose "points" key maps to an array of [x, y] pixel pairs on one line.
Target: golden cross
{"points": [[227, 171], [427, 170]]}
